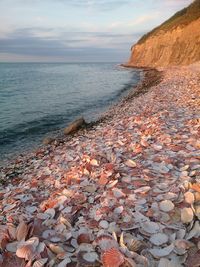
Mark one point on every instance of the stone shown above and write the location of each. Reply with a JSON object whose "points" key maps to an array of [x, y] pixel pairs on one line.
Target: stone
{"points": [[74, 126], [48, 140]]}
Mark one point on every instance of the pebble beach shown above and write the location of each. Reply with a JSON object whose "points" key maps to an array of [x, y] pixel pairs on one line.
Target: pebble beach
{"points": [[124, 192]]}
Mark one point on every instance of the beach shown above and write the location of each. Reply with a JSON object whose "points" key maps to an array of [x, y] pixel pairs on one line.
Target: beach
{"points": [[134, 173]]}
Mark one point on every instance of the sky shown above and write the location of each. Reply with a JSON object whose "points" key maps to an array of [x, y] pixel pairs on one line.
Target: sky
{"points": [[77, 30]]}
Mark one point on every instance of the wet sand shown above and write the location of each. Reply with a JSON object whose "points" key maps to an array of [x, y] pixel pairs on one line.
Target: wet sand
{"points": [[135, 173]]}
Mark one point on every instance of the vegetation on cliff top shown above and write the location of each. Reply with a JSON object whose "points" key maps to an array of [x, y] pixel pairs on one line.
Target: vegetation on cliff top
{"points": [[180, 19]]}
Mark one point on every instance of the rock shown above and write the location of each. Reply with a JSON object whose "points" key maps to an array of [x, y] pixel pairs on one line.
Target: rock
{"points": [[187, 215], [166, 205], [48, 140], [74, 126]]}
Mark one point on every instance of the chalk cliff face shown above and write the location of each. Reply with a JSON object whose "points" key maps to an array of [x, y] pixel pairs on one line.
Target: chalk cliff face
{"points": [[175, 42]]}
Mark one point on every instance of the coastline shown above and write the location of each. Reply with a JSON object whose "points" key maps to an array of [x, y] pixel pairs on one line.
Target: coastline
{"points": [[136, 171], [59, 138]]}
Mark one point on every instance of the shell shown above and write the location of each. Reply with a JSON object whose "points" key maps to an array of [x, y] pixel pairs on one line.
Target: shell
{"points": [[12, 231], [150, 227], [104, 224], [159, 239], [50, 212], [64, 262], [166, 205], [161, 252], [83, 238], [181, 246], [189, 197], [112, 257], [56, 249], [166, 263], [86, 258], [130, 163], [128, 263], [135, 245], [22, 231], [40, 262], [33, 241], [12, 247], [105, 242], [25, 252], [195, 232], [187, 215]]}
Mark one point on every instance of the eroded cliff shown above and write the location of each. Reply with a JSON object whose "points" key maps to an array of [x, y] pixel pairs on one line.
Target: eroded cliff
{"points": [[175, 42]]}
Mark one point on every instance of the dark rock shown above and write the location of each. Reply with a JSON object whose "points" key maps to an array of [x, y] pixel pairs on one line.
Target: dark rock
{"points": [[74, 126]]}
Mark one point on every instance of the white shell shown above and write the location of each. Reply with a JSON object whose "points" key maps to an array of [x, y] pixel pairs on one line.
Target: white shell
{"points": [[166, 205], [12, 247], [104, 224], [159, 239], [40, 262], [64, 262], [150, 227], [90, 256], [195, 232], [166, 263], [187, 215], [118, 210], [161, 252]]}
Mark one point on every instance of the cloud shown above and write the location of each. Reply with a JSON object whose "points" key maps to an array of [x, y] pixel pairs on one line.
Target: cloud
{"points": [[67, 46]]}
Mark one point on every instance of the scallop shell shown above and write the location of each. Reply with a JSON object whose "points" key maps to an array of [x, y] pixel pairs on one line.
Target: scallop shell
{"points": [[161, 252], [135, 245], [187, 215], [22, 231], [112, 257], [12, 247], [33, 241], [86, 258], [131, 243], [159, 239], [64, 263], [25, 252], [105, 242], [195, 232], [56, 249], [166, 205], [50, 212], [40, 262], [84, 238], [128, 263], [150, 227]]}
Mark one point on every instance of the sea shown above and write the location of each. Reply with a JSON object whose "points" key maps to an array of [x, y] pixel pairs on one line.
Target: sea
{"points": [[40, 99]]}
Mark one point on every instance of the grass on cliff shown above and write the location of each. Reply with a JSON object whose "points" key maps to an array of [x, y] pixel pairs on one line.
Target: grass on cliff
{"points": [[181, 18]]}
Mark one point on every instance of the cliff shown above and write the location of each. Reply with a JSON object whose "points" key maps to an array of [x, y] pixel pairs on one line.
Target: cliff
{"points": [[175, 42]]}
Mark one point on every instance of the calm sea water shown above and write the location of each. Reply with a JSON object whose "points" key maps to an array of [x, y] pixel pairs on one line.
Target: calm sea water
{"points": [[37, 99]]}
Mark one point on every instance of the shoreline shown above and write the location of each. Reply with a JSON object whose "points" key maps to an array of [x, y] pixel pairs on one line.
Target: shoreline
{"points": [[59, 137], [136, 174]]}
